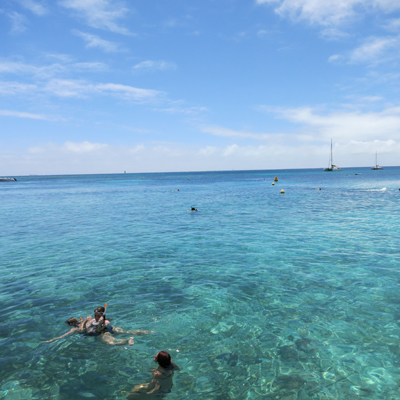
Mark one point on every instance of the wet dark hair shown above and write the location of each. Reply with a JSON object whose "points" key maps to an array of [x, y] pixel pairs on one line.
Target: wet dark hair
{"points": [[163, 358], [100, 309], [72, 321]]}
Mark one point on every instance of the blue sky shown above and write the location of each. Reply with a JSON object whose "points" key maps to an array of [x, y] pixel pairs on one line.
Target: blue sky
{"points": [[106, 86]]}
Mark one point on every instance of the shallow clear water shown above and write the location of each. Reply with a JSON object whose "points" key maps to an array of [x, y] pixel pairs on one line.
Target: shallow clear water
{"points": [[265, 295]]}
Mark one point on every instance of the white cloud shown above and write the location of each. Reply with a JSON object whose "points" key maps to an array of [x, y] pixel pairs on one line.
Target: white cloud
{"points": [[343, 126], [83, 147], [208, 151], [375, 50], [15, 88], [19, 114], [61, 57], [49, 80], [90, 66], [393, 25], [225, 132], [91, 157], [127, 92], [231, 150], [372, 98], [18, 22], [34, 7], [182, 110], [154, 66], [96, 41], [48, 71], [335, 57], [101, 14], [80, 88], [329, 13]]}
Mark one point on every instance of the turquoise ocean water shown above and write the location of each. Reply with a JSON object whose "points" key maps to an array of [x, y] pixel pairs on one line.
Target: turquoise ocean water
{"points": [[258, 295]]}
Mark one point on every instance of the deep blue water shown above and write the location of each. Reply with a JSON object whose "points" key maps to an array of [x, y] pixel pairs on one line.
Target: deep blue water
{"points": [[258, 295]]}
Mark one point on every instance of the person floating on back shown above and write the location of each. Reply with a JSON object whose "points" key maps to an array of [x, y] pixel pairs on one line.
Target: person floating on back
{"points": [[161, 384], [98, 326]]}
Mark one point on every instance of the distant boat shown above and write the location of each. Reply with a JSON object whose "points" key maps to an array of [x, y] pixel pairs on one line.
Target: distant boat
{"points": [[376, 162], [332, 167], [7, 179]]}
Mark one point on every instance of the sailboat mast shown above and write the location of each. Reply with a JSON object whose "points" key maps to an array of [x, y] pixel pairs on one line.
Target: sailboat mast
{"points": [[331, 155]]}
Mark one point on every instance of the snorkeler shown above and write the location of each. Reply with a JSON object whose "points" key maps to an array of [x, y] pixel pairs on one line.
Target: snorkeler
{"points": [[161, 383], [194, 209], [100, 326]]}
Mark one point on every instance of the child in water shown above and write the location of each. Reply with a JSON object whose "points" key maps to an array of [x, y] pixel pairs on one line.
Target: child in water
{"points": [[161, 383]]}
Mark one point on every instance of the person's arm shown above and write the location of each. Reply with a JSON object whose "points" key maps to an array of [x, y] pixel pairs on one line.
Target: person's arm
{"points": [[155, 383], [65, 334]]}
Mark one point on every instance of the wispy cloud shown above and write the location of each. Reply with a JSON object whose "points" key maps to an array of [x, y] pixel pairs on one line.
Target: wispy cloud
{"points": [[83, 147], [81, 89], [372, 98], [19, 114], [34, 7], [93, 157], [374, 50], [52, 80], [329, 13], [342, 125], [96, 41], [183, 110], [225, 132], [16, 88], [48, 71], [101, 14], [151, 65], [18, 22], [393, 25], [79, 148]]}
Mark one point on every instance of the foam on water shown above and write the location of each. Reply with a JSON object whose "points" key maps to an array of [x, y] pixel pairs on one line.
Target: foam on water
{"points": [[258, 295]]}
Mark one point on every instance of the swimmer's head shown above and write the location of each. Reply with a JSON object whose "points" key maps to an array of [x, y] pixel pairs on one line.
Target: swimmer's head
{"points": [[99, 312], [163, 359], [72, 321]]}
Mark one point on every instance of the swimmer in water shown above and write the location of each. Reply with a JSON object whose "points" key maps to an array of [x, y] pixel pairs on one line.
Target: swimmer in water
{"points": [[194, 209], [97, 326], [161, 383]]}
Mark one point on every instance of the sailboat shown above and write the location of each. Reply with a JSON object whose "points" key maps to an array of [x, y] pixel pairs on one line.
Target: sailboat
{"points": [[332, 167], [376, 162]]}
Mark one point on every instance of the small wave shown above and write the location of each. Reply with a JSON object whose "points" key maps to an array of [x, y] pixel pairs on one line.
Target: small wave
{"points": [[375, 190]]}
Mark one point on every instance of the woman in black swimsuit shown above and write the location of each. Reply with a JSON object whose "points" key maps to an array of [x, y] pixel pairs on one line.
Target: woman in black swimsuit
{"points": [[161, 383]]}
